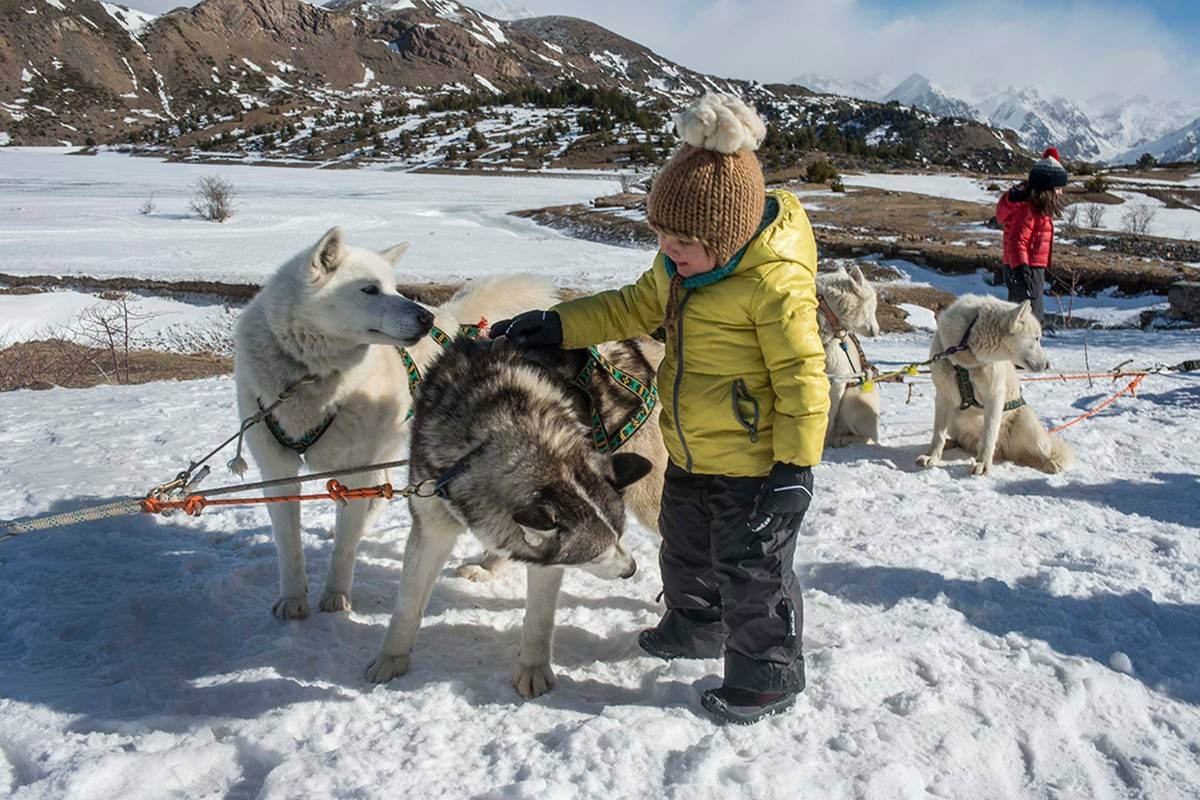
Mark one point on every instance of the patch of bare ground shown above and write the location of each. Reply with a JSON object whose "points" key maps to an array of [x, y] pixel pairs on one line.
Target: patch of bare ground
{"points": [[232, 293], [947, 235], [48, 363]]}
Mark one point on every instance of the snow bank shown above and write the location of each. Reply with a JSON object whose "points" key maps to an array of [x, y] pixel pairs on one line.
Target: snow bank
{"points": [[952, 187], [79, 216]]}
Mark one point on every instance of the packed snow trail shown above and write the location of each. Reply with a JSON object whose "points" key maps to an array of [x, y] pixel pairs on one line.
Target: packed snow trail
{"points": [[1012, 636]]}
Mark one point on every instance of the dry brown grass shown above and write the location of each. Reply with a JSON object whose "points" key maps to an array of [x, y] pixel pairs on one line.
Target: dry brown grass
{"points": [[47, 363]]}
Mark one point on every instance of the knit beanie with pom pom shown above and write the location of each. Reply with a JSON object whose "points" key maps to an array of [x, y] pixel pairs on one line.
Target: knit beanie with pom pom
{"points": [[1048, 172], [712, 189]]}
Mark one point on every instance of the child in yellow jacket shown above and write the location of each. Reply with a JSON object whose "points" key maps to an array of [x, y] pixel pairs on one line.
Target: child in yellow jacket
{"points": [[745, 402]]}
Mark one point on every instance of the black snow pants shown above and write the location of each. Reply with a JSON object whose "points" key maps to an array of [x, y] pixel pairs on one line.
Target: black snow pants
{"points": [[1026, 283], [728, 586]]}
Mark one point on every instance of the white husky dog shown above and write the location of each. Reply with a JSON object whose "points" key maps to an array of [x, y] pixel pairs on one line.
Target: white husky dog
{"points": [[850, 300], [333, 315], [979, 405]]}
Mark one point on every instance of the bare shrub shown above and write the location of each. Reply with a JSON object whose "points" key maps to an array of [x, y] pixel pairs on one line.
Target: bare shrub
{"points": [[633, 183], [1093, 213], [212, 198], [1071, 216], [1137, 219], [148, 206], [112, 327]]}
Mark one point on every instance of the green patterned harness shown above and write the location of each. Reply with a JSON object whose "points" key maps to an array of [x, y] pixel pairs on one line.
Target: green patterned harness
{"points": [[646, 394], [444, 340], [967, 391]]}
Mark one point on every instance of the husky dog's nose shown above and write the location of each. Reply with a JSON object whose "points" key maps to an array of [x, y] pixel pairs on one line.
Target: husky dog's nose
{"points": [[424, 318], [632, 569]]}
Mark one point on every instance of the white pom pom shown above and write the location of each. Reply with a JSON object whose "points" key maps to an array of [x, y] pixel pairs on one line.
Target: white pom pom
{"points": [[721, 122]]}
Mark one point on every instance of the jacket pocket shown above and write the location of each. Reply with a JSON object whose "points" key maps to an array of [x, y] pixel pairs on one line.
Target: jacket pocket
{"points": [[745, 408]]}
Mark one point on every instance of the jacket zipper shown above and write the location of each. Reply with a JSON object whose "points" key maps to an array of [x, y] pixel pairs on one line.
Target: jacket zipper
{"points": [[679, 379]]}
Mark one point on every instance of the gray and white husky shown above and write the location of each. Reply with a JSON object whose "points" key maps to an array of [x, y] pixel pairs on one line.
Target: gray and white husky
{"points": [[333, 313], [509, 445], [853, 413], [978, 404]]}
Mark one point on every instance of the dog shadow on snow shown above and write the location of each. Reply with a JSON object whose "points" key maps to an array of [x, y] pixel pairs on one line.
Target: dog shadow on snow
{"points": [[1161, 639], [157, 622], [1166, 498]]}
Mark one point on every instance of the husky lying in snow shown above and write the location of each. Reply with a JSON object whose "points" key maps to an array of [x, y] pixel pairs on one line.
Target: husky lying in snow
{"points": [[853, 413], [334, 313], [978, 405], [510, 447], [641, 359]]}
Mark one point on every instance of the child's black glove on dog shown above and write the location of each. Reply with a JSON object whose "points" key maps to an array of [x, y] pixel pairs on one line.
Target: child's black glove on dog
{"points": [[531, 329], [782, 500]]}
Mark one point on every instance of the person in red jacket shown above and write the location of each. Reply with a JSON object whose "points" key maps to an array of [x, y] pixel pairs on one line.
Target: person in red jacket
{"points": [[1027, 213]]}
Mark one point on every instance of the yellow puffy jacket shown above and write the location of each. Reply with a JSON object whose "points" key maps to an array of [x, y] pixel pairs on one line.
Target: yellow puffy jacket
{"points": [[743, 383]]}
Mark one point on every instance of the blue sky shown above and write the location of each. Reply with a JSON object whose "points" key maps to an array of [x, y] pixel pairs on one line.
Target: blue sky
{"points": [[1077, 48]]}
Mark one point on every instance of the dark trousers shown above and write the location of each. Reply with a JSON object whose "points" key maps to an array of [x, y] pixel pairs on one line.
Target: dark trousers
{"points": [[1026, 283], [727, 586]]}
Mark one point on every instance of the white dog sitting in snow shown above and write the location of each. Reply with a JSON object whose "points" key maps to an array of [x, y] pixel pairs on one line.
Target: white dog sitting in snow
{"points": [[847, 308], [979, 406], [332, 316]]}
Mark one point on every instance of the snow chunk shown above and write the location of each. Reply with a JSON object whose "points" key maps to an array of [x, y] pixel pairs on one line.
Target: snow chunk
{"points": [[251, 65], [491, 87], [56, 4], [5, 139], [919, 317], [1121, 663], [132, 20], [368, 76]]}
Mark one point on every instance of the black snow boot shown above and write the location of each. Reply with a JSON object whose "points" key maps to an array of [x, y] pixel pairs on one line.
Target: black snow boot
{"points": [[744, 707], [652, 641]]}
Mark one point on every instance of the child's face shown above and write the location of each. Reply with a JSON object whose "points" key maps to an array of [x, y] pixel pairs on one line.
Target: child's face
{"points": [[690, 257]]}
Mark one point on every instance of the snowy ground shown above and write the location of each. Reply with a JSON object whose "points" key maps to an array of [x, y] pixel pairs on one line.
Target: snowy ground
{"points": [[78, 215], [1006, 637], [157, 322], [959, 631]]}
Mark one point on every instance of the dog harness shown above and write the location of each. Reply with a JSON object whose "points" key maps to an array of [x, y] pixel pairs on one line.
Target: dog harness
{"points": [[967, 391], [646, 394], [304, 442], [443, 339], [868, 370], [312, 436]]}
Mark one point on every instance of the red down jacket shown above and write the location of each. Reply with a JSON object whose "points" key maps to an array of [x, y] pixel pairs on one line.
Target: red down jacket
{"points": [[1028, 235]]}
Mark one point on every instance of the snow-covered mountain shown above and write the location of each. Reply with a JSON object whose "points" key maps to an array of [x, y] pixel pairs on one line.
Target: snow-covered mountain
{"points": [[1179, 145], [918, 91], [1107, 128], [1043, 120], [872, 87]]}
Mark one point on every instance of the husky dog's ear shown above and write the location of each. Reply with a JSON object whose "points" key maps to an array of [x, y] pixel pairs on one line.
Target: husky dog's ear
{"points": [[327, 255], [1017, 314], [393, 254], [860, 280], [629, 468], [537, 517]]}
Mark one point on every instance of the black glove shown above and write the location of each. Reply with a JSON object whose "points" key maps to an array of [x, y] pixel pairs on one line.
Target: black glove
{"points": [[531, 329], [782, 500]]}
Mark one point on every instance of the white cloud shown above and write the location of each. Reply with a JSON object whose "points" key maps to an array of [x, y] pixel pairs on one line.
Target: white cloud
{"points": [[1076, 50]]}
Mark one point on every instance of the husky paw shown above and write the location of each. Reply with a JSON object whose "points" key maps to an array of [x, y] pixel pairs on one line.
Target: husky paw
{"points": [[335, 601], [928, 461], [384, 668], [476, 573], [533, 681], [981, 468], [286, 608]]}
